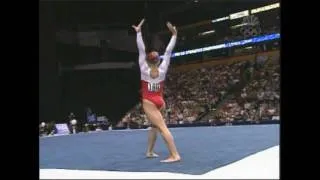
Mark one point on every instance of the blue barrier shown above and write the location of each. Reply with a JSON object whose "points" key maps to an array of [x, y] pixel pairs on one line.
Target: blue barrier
{"points": [[228, 45]]}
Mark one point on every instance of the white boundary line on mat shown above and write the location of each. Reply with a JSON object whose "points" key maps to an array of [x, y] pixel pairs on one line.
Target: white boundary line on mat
{"points": [[262, 165]]}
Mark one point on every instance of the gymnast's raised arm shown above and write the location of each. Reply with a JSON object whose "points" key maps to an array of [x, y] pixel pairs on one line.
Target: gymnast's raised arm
{"points": [[167, 55], [141, 46]]}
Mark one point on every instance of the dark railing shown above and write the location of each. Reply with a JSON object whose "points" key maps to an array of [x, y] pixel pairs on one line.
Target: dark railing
{"points": [[202, 124], [46, 132]]}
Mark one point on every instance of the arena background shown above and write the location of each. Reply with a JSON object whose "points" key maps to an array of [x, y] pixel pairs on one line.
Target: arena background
{"points": [[60, 21], [88, 57]]}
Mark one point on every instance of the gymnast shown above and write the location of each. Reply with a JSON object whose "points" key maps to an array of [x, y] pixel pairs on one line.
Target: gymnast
{"points": [[153, 74]]}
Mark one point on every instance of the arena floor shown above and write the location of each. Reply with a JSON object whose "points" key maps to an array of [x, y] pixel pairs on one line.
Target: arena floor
{"points": [[225, 152]]}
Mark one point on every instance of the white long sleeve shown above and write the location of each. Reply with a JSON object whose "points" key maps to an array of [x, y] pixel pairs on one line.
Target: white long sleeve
{"points": [[167, 55], [142, 52]]}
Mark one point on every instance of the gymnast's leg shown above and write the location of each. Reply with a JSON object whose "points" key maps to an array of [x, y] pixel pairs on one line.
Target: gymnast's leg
{"points": [[155, 116], [152, 137]]}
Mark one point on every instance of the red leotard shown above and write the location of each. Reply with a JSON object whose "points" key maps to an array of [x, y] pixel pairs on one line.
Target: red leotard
{"points": [[152, 89]]}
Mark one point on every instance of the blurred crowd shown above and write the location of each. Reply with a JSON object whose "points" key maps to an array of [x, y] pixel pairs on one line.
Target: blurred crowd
{"points": [[189, 94], [224, 93], [259, 100]]}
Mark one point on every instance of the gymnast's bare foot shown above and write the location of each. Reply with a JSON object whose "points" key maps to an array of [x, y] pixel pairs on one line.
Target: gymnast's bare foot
{"points": [[171, 159], [152, 155]]}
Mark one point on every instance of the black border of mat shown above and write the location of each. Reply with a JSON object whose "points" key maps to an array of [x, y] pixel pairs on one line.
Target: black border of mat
{"points": [[19, 68]]}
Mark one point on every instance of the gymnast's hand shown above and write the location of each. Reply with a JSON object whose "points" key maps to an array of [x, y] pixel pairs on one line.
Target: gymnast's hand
{"points": [[172, 28], [138, 28]]}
